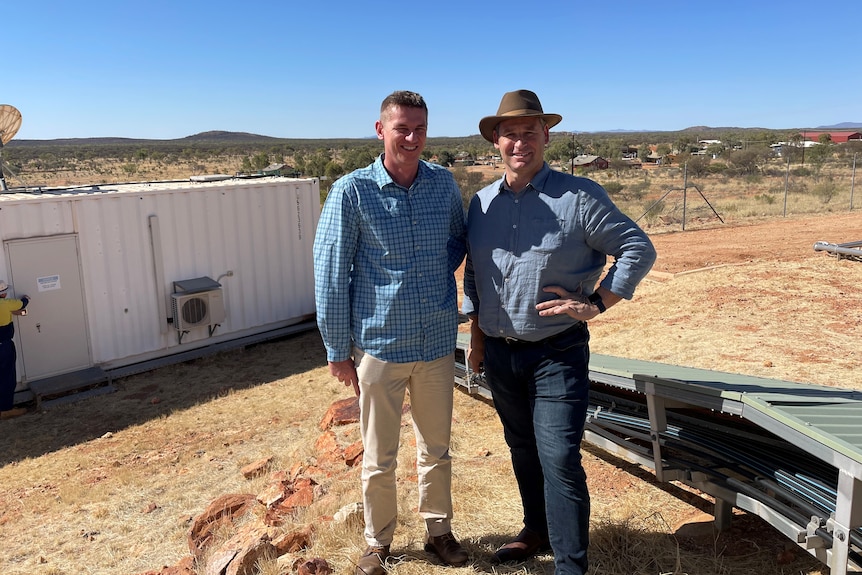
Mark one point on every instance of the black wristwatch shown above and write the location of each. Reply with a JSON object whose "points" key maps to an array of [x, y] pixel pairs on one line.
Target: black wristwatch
{"points": [[596, 300]]}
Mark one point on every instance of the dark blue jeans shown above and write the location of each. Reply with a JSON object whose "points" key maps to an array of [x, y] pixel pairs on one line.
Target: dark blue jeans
{"points": [[541, 393], [8, 376]]}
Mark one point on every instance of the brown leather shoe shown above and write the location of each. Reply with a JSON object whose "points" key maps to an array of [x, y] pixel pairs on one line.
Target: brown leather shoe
{"points": [[14, 412], [372, 561], [524, 546], [447, 548]]}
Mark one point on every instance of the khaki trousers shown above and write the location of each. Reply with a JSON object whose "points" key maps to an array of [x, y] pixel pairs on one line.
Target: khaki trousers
{"points": [[382, 388]]}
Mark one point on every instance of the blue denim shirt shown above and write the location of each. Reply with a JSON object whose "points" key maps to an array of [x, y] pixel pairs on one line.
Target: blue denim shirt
{"points": [[558, 231], [384, 263]]}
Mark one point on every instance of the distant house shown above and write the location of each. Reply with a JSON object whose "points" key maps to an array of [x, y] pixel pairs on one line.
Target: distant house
{"points": [[594, 162], [280, 170], [778, 149], [464, 159], [836, 137], [652, 158]]}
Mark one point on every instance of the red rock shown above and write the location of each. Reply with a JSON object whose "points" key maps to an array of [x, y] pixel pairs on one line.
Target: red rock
{"points": [[341, 412], [316, 566], [221, 511], [184, 566], [240, 554], [294, 541], [353, 453], [256, 468]]}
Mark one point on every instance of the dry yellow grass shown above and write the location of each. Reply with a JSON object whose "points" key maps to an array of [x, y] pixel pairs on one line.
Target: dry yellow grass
{"points": [[110, 485]]}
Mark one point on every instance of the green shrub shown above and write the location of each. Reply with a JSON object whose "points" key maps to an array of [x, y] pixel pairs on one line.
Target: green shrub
{"points": [[613, 188], [753, 178], [797, 187], [637, 190], [825, 191], [653, 211]]}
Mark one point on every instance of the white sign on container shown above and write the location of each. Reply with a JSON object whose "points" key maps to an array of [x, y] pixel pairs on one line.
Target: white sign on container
{"points": [[48, 283]]}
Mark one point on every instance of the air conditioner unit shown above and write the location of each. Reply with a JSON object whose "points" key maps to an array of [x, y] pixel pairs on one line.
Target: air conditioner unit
{"points": [[197, 309]]}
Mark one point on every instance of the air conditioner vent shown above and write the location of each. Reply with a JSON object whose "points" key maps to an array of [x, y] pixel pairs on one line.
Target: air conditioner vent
{"points": [[197, 309]]}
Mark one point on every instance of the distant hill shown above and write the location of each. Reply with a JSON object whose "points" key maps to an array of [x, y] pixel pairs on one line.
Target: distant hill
{"points": [[213, 136], [245, 139], [713, 129], [842, 126], [222, 136]]}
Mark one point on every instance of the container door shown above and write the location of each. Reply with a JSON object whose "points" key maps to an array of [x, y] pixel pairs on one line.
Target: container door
{"points": [[53, 335]]}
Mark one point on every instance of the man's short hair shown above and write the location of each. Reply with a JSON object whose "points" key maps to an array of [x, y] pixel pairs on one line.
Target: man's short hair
{"points": [[404, 99]]}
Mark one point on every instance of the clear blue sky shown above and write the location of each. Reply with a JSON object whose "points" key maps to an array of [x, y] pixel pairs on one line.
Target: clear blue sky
{"points": [[319, 69]]}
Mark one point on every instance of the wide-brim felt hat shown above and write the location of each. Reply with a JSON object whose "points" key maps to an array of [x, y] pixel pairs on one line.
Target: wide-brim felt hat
{"points": [[517, 104]]}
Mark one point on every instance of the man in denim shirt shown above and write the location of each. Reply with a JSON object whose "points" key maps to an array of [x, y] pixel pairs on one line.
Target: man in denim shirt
{"points": [[389, 240], [538, 241]]}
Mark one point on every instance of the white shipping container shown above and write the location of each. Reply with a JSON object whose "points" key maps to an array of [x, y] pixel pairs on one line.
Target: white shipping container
{"points": [[107, 266]]}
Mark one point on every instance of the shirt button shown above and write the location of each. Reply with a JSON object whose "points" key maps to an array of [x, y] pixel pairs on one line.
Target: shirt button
{"points": [[514, 226]]}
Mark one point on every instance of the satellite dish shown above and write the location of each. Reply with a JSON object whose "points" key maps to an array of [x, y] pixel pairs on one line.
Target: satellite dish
{"points": [[10, 121]]}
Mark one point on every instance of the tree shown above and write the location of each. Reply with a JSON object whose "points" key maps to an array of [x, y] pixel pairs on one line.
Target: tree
{"points": [[358, 158], [818, 155], [260, 161], [643, 152], [714, 150], [662, 150], [618, 165], [333, 170], [685, 143], [315, 164], [445, 158], [559, 150], [748, 161], [698, 166], [469, 182]]}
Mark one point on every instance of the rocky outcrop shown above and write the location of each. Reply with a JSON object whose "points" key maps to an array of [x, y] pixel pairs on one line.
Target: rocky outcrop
{"points": [[238, 530]]}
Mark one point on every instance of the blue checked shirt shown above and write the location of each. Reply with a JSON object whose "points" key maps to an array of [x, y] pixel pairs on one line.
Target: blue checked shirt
{"points": [[558, 231], [384, 263]]}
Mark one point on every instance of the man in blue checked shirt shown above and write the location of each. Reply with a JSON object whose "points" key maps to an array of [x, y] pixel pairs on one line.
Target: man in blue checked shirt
{"points": [[388, 242], [538, 242]]}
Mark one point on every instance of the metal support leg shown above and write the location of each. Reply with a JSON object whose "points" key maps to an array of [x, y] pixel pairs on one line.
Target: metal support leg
{"points": [[723, 513], [657, 424], [848, 515]]}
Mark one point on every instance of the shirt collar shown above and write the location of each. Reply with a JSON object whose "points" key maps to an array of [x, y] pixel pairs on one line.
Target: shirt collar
{"points": [[382, 177], [538, 181]]}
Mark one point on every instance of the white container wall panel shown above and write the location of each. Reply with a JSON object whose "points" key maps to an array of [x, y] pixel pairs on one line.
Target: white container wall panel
{"points": [[21, 218], [119, 277], [252, 236]]}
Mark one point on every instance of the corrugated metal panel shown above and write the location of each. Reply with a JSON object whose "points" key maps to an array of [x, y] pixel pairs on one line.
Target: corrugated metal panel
{"points": [[260, 230], [831, 417]]}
